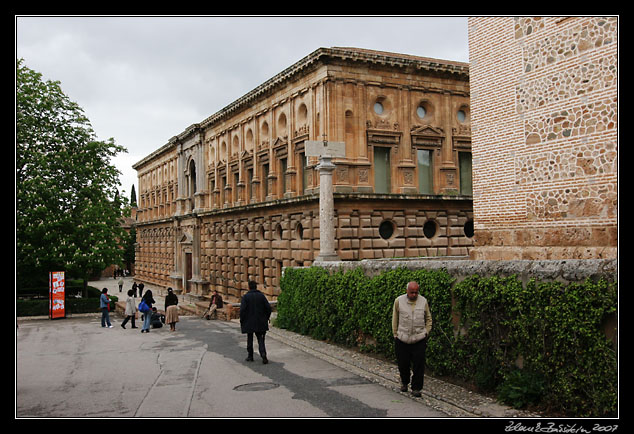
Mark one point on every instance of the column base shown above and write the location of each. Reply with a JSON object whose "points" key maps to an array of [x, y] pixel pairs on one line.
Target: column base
{"points": [[323, 257]]}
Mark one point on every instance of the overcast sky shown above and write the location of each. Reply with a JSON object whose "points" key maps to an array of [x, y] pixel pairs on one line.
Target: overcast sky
{"points": [[143, 80]]}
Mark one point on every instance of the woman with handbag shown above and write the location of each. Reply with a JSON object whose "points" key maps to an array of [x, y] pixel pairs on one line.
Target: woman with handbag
{"points": [[146, 308]]}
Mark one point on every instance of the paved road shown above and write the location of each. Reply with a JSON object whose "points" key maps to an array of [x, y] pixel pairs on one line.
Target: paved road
{"points": [[73, 367]]}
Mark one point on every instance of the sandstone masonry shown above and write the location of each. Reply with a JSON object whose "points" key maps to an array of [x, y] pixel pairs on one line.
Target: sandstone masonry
{"points": [[234, 197]]}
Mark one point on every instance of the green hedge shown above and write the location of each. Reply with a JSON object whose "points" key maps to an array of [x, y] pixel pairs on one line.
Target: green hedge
{"points": [[553, 331], [39, 307]]}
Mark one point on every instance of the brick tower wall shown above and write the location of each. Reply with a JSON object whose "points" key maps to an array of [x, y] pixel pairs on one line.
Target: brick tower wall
{"points": [[544, 137]]}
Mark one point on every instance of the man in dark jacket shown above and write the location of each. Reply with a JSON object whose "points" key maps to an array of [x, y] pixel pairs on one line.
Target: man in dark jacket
{"points": [[255, 312]]}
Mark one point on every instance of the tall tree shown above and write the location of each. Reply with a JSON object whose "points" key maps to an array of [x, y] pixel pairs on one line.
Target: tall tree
{"points": [[133, 196], [66, 214]]}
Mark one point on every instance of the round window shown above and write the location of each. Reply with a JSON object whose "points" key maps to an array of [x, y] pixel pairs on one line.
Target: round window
{"points": [[468, 229], [462, 116], [421, 112], [429, 228], [378, 108], [386, 229]]}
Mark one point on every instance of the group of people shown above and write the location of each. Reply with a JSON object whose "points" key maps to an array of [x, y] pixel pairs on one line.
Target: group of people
{"points": [[149, 314], [411, 325], [151, 317], [255, 312]]}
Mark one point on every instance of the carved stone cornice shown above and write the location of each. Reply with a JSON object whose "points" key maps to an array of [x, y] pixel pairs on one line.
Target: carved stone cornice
{"points": [[427, 135], [324, 56], [319, 57]]}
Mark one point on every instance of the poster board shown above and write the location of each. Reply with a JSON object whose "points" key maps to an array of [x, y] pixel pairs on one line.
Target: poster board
{"points": [[57, 295]]}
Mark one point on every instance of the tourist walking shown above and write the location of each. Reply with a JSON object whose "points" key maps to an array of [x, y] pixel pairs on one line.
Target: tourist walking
{"points": [[255, 312], [171, 309], [411, 325], [104, 304], [147, 316], [130, 310], [120, 284]]}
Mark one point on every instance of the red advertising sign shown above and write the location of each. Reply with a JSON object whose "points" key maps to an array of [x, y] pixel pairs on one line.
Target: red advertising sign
{"points": [[57, 295]]}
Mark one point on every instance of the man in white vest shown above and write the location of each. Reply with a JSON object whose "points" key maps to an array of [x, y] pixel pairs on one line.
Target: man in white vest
{"points": [[411, 325]]}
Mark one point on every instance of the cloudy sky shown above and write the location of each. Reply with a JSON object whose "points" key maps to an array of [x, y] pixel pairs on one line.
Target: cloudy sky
{"points": [[144, 79]]}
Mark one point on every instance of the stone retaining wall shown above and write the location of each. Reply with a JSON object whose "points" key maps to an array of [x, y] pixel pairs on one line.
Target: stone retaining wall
{"points": [[571, 270]]}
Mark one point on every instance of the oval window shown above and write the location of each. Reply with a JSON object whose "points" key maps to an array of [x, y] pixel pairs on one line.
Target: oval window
{"points": [[429, 228], [468, 229], [421, 112], [378, 108], [386, 229]]}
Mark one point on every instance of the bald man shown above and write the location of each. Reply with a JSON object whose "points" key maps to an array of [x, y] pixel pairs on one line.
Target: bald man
{"points": [[411, 325]]}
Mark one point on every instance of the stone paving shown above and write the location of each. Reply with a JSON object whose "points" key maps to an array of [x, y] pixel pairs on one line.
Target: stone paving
{"points": [[449, 398]]}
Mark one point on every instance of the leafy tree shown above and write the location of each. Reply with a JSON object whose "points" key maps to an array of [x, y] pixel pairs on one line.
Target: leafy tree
{"points": [[67, 217]]}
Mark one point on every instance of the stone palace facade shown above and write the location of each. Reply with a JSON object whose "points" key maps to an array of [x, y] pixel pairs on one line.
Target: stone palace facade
{"points": [[234, 197]]}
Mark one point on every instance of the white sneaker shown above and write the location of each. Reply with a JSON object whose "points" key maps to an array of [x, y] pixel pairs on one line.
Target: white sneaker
{"points": [[110, 326]]}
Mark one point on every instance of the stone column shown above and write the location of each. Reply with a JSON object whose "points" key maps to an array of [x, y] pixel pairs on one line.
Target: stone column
{"points": [[176, 276], [199, 283], [326, 211], [181, 208]]}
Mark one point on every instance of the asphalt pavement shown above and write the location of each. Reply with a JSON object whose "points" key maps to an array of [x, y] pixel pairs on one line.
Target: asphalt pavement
{"points": [[74, 368]]}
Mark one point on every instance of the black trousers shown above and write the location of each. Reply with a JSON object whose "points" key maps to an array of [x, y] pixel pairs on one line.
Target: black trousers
{"points": [[128, 318], [411, 356], [261, 346]]}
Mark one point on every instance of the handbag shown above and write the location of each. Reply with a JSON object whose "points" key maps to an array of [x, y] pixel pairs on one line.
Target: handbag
{"points": [[143, 307]]}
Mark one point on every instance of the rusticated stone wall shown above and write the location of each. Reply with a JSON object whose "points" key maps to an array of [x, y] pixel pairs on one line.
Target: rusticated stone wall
{"points": [[258, 241], [544, 136]]}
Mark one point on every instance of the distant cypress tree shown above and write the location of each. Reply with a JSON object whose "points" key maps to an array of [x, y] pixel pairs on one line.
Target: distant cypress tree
{"points": [[133, 196]]}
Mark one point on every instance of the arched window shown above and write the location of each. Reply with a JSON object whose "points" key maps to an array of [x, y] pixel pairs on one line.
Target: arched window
{"points": [[192, 178]]}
